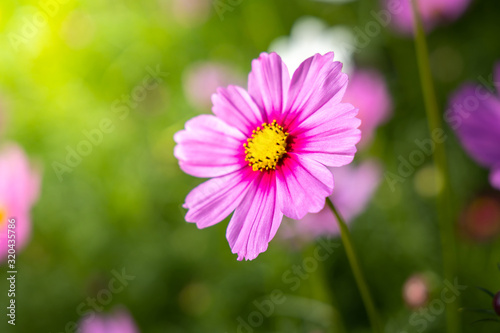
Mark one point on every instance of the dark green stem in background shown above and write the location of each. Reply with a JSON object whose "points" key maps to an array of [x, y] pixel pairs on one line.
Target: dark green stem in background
{"points": [[321, 291], [445, 215], [356, 269]]}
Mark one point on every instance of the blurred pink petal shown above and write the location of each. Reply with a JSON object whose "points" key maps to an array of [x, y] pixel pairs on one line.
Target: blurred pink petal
{"points": [[19, 190], [495, 178], [368, 91], [434, 12], [416, 291], [190, 13], [201, 80], [479, 127], [476, 120], [354, 188], [120, 321]]}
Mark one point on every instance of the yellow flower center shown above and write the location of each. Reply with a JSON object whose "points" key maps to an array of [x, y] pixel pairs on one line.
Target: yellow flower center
{"points": [[266, 146]]}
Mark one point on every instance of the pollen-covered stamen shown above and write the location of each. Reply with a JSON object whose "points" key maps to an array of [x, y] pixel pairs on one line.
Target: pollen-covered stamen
{"points": [[266, 146]]}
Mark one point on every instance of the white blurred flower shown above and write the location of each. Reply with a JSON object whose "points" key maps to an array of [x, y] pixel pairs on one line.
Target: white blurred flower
{"points": [[311, 35]]}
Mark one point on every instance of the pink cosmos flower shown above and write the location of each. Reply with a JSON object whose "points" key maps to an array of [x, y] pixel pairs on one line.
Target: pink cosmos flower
{"points": [[354, 187], [268, 148], [120, 321], [474, 113], [367, 89], [19, 189], [434, 12]]}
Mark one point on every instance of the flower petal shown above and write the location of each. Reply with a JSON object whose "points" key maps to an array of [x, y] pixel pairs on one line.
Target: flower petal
{"points": [[268, 85], [256, 220], [496, 76], [119, 321], [329, 136], [479, 124], [94, 324], [209, 147], [303, 185], [20, 185], [212, 201], [235, 106], [368, 91], [354, 187], [495, 178], [23, 231], [315, 83]]}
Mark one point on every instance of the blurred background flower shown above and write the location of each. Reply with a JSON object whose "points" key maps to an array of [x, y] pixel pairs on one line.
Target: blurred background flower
{"points": [[335, 1], [19, 188], [480, 219], [354, 187], [434, 13], [368, 91], [201, 80], [310, 35], [188, 12], [416, 291], [118, 321], [474, 114]]}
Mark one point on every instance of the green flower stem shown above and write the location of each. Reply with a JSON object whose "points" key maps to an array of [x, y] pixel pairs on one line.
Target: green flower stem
{"points": [[356, 269], [445, 215]]}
